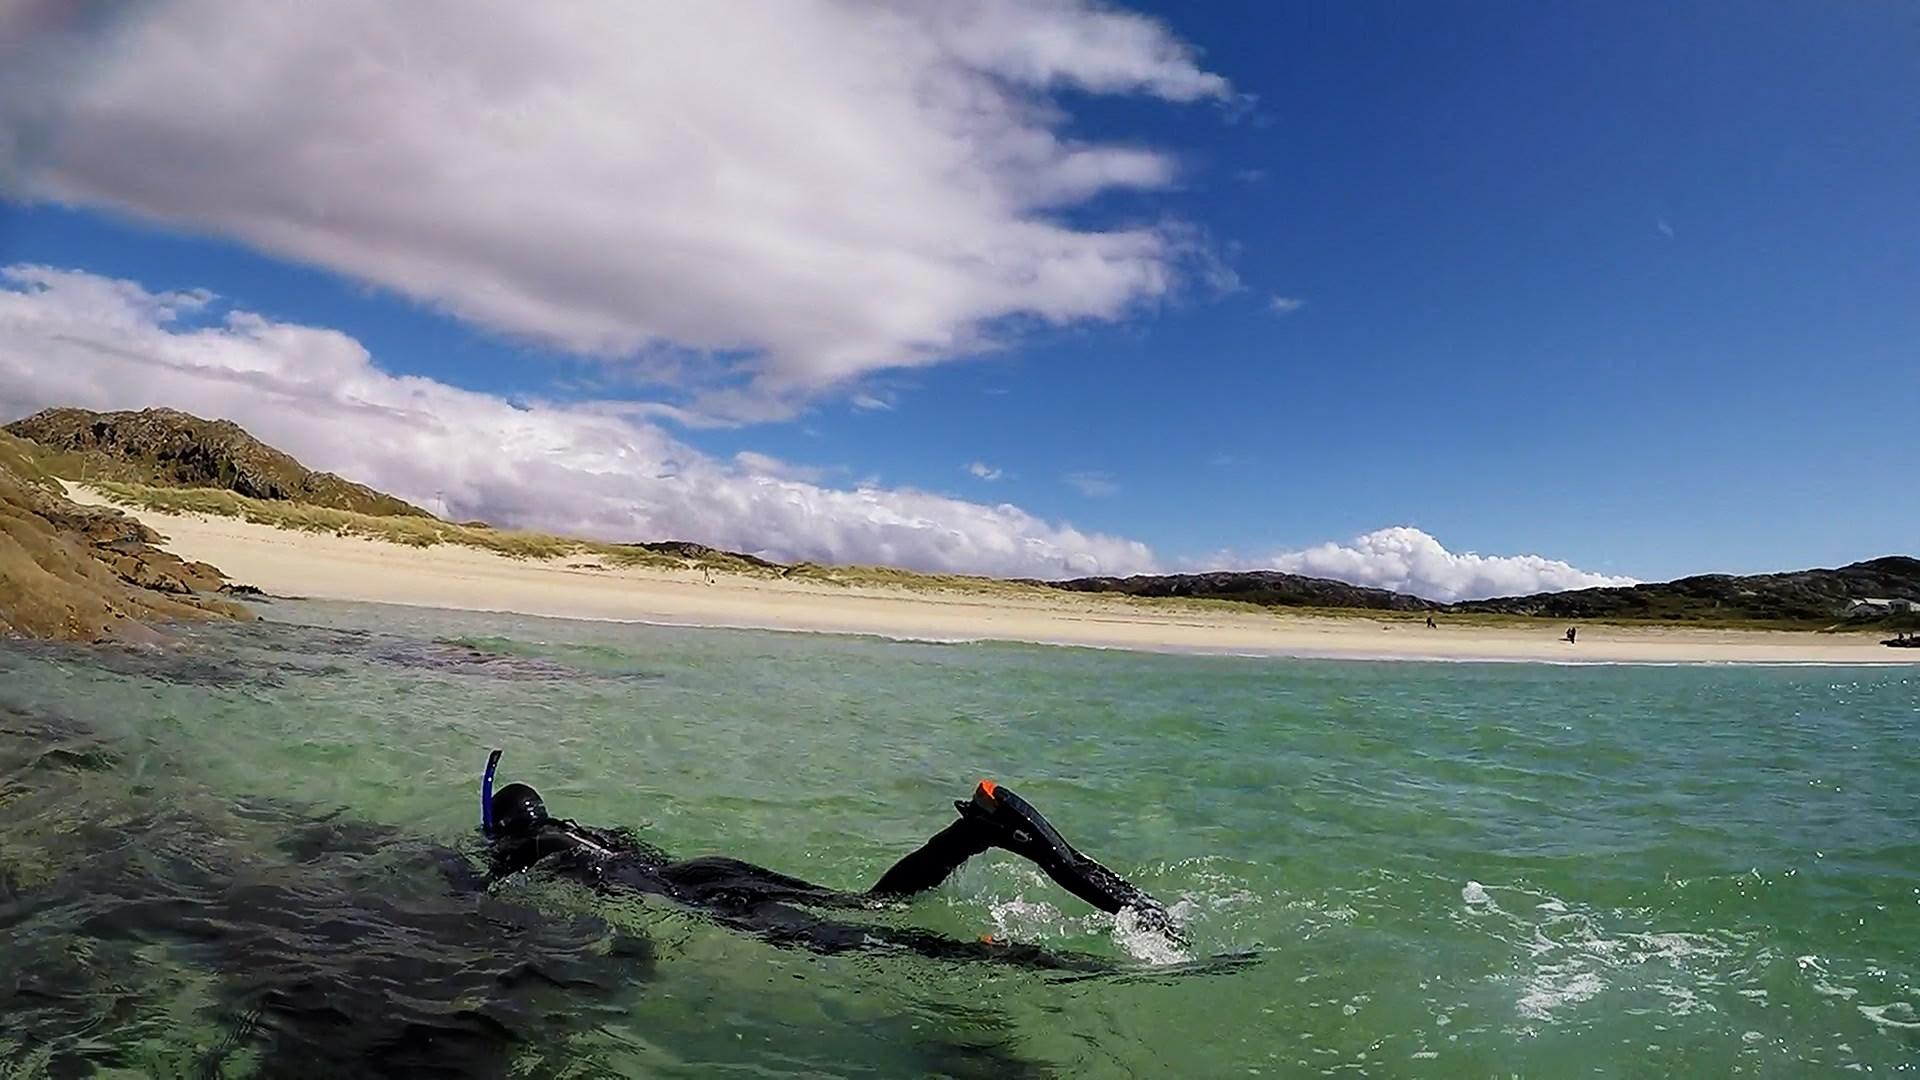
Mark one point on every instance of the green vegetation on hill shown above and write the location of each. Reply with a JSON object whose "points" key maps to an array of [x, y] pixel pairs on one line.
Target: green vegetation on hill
{"points": [[168, 448]]}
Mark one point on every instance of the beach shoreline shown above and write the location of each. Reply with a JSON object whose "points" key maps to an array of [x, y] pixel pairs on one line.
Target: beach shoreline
{"points": [[329, 567]]}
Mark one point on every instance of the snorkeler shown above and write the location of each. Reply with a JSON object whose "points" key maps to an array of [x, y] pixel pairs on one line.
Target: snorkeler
{"points": [[520, 834]]}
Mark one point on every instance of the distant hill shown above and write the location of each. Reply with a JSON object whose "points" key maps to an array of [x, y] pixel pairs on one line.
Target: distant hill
{"points": [[1270, 588], [1800, 595], [169, 448]]}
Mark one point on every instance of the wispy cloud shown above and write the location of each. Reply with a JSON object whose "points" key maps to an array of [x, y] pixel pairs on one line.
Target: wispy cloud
{"points": [[1286, 305], [1249, 176], [1093, 483], [869, 403], [983, 471], [1664, 228]]}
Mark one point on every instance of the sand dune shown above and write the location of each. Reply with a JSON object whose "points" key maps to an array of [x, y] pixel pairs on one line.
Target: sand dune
{"points": [[322, 566]]}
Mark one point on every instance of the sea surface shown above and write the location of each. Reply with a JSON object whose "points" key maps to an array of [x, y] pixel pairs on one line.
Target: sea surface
{"points": [[254, 853]]}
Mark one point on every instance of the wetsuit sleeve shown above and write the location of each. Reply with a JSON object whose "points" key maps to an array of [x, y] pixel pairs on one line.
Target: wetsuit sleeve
{"points": [[933, 861]]}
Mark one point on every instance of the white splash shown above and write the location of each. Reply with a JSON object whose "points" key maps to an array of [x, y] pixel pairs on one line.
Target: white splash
{"points": [[1146, 943], [1555, 986]]}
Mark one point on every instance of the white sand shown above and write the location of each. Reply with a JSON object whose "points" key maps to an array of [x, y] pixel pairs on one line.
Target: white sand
{"points": [[290, 563]]}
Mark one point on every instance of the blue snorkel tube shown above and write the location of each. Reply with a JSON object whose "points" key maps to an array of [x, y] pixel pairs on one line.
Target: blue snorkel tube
{"points": [[486, 794]]}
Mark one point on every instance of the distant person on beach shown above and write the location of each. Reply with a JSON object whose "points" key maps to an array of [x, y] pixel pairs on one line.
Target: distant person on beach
{"points": [[743, 896], [1571, 630], [1430, 623]]}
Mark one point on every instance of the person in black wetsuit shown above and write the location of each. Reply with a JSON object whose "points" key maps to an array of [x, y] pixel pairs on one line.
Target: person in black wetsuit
{"points": [[521, 834]]}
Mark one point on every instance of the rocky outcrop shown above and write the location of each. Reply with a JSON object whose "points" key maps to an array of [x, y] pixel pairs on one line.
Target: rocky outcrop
{"points": [[1269, 588], [175, 449], [81, 573]]}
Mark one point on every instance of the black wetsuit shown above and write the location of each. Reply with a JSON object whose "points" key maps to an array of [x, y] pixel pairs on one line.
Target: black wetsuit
{"points": [[753, 898]]}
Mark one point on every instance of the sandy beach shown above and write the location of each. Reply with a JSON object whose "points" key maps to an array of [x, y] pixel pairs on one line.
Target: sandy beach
{"points": [[322, 566]]}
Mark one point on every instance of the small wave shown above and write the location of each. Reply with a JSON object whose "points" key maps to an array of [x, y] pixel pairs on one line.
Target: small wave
{"points": [[1894, 1014], [1571, 956]]}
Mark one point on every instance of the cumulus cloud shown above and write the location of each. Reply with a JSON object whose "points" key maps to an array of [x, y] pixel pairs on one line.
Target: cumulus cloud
{"points": [[980, 470], [783, 196], [1405, 559], [73, 338]]}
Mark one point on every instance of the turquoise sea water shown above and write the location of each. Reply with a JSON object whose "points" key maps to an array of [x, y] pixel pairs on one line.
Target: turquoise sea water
{"points": [[231, 857]]}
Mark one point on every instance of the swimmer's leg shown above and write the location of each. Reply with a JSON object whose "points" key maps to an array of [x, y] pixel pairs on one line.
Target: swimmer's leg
{"points": [[715, 881], [996, 817], [1010, 823], [793, 927], [934, 861]]}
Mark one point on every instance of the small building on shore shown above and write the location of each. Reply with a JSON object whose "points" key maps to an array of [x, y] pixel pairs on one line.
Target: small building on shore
{"points": [[1868, 607]]}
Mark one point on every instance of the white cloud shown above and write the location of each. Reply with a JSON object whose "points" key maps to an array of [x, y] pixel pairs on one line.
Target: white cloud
{"points": [[1093, 483], [780, 196], [869, 403], [983, 471], [1664, 227], [73, 338], [1408, 560], [1286, 305]]}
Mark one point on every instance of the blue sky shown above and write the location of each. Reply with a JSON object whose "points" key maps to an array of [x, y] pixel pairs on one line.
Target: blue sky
{"points": [[1631, 286]]}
